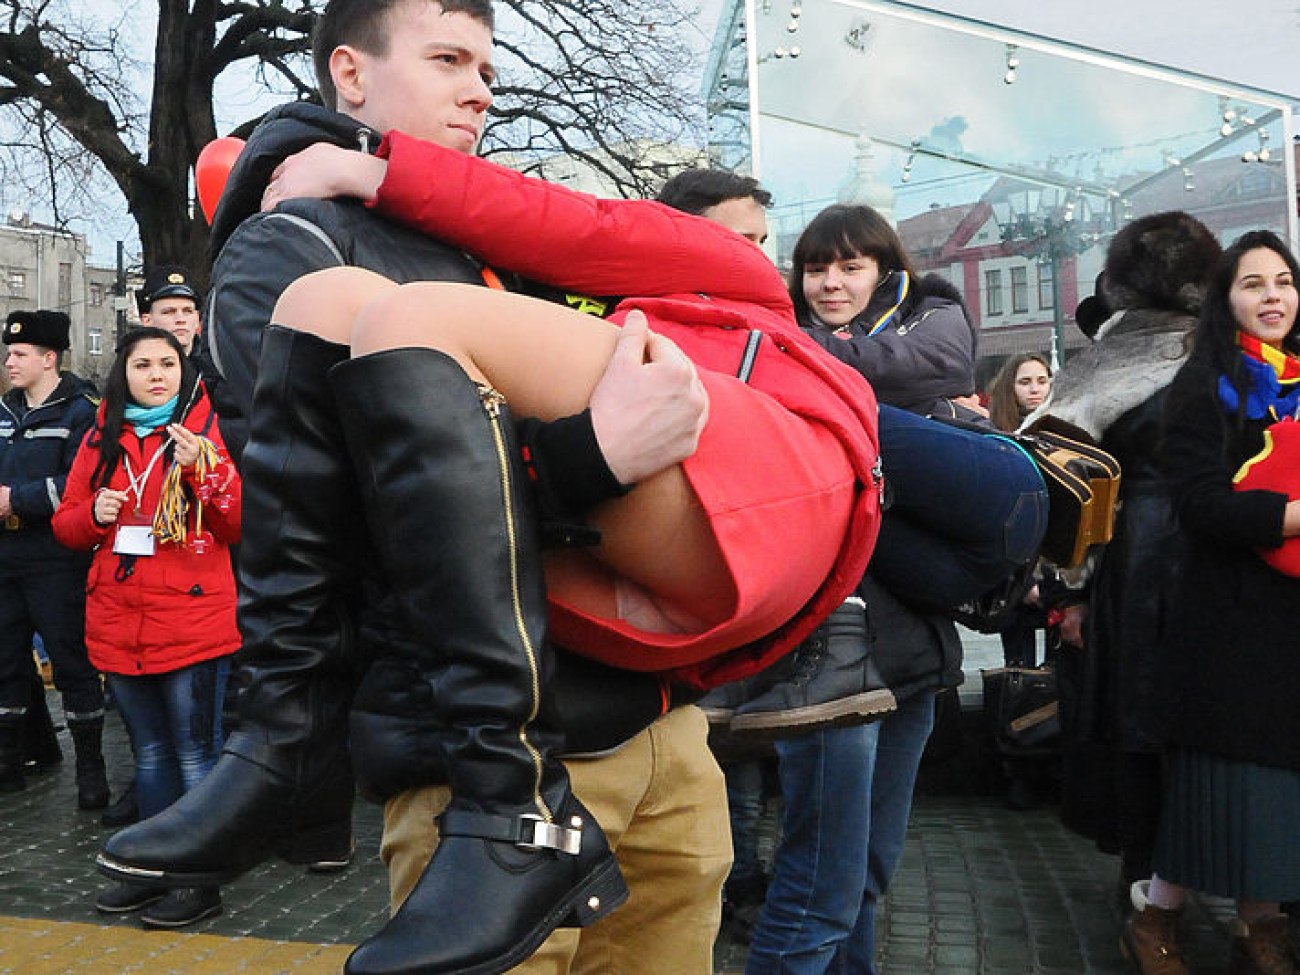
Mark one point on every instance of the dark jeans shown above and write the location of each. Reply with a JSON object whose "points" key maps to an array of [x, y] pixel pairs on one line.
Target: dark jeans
{"points": [[174, 721], [967, 509], [848, 794], [51, 599]]}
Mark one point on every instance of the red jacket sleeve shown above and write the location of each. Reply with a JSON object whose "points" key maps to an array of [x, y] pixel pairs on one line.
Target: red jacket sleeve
{"points": [[573, 240], [74, 521]]}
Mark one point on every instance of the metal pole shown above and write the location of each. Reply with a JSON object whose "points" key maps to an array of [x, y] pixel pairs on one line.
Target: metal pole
{"points": [[121, 294], [1058, 316]]}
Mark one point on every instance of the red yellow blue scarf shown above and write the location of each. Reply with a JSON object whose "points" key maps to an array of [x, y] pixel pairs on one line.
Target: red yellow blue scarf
{"points": [[1272, 381]]}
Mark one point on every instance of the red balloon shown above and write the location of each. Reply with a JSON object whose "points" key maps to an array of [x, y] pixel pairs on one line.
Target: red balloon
{"points": [[212, 169]]}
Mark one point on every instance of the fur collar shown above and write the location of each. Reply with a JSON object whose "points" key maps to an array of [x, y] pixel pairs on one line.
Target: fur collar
{"points": [[1136, 355]]}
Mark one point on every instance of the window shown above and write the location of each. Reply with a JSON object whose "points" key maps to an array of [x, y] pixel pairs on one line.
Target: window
{"points": [[993, 292], [1045, 286], [17, 283], [96, 296], [95, 341], [1019, 289]]}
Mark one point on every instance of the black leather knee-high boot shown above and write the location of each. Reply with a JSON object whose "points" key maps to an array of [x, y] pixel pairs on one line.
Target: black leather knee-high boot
{"points": [[456, 540], [283, 783]]}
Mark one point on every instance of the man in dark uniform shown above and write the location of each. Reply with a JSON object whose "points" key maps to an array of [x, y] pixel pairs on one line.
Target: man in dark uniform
{"points": [[170, 301], [43, 420]]}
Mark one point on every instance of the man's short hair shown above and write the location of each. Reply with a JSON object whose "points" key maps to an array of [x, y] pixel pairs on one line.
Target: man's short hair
{"points": [[696, 190], [363, 24]]}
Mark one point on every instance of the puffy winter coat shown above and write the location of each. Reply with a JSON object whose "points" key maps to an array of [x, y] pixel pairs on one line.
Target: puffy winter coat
{"points": [[154, 614], [715, 294], [926, 355], [37, 447]]}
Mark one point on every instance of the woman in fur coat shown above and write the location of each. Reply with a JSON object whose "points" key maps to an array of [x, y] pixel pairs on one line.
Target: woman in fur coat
{"points": [[1156, 271]]}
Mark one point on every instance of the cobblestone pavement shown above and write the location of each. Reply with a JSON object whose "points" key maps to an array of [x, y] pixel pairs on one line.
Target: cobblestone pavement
{"points": [[981, 891]]}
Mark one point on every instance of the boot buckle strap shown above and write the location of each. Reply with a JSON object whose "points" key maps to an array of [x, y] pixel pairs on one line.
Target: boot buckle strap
{"points": [[529, 830]]}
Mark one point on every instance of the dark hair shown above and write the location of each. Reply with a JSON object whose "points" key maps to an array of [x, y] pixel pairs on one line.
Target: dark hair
{"points": [[108, 437], [1004, 408], [840, 232], [696, 190], [363, 24]]}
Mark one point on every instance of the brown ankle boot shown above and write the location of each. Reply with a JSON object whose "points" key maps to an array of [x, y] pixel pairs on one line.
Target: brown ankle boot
{"points": [[1150, 939], [1262, 947]]}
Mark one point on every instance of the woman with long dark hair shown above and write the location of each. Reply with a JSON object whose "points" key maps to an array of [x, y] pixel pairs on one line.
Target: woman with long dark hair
{"points": [[1020, 387], [1229, 673], [154, 494]]}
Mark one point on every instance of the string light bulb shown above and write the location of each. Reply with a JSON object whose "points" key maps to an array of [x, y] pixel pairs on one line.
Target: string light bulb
{"points": [[1013, 62]]}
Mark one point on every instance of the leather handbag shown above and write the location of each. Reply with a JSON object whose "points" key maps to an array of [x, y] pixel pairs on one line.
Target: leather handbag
{"points": [[1082, 489], [1022, 709]]}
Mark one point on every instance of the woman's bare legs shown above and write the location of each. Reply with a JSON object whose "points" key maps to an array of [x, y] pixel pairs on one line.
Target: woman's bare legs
{"points": [[546, 360]]}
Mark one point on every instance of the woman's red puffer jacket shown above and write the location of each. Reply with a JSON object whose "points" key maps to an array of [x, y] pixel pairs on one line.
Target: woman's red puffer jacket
{"points": [[158, 613]]}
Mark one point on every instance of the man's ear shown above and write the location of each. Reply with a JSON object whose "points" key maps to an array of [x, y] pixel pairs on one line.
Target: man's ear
{"points": [[146, 319], [347, 68]]}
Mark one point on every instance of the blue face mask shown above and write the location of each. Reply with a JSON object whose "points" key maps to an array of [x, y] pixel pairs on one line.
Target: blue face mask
{"points": [[147, 419]]}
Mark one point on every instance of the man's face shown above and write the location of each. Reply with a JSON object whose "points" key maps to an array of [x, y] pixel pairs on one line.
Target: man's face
{"points": [[744, 214], [26, 364], [178, 316], [433, 82]]}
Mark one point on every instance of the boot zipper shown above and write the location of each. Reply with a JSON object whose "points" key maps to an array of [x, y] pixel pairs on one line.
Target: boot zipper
{"points": [[492, 402]]}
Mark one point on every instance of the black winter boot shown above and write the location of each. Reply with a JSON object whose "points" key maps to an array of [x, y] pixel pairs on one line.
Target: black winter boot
{"points": [[41, 749], [831, 680], [283, 783], [87, 742], [457, 542], [12, 723]]}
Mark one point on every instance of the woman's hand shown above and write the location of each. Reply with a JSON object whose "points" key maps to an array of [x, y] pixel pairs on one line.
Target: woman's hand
{"points": [[325, 171], [1291, 520], [187, 445], [108, 506]]}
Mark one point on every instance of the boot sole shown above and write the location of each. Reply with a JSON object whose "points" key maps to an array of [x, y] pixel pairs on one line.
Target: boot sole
{"points": [[319, 849], [131, 908], [203, 915], [846, 712]]}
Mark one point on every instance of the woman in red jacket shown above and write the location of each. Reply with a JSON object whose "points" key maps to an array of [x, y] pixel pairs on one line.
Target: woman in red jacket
{"points": [[154, 494]]}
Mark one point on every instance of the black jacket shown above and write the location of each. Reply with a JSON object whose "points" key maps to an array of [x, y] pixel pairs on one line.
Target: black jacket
{"points": [[258, 255], [1229, 666], [395, 726], [37, 447]]}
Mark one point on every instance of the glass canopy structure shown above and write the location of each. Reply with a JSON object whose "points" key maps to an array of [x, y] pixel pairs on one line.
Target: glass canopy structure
{"points": [[1006, 161]]}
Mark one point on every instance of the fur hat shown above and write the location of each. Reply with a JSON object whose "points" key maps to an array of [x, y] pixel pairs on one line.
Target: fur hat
{"points": [[48, 329], [1162, 260]]}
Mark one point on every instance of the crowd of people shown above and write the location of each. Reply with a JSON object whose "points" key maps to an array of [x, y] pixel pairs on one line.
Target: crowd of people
{"points": [[478, 553]]}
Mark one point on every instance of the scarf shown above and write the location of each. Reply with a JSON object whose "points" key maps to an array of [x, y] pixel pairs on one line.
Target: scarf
{"points": [[147, 419], [1272, 382]]}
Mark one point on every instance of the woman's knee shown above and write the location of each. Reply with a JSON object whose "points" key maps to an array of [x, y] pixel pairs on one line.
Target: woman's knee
{"points": [[326, 303], [422, 314]]}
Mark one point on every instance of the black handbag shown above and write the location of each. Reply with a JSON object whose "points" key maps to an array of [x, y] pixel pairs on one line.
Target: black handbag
{"points": [[1022, 709]]}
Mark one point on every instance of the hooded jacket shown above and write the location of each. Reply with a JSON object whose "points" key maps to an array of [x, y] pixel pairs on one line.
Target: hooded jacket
{"points": [[155, 614], [37, 448]]}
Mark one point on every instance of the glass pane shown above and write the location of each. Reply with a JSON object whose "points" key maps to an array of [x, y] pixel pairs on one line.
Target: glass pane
{"points": [[994, 153]]}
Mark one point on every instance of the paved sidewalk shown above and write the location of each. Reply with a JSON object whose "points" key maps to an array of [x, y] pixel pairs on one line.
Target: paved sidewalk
{"points": [[981, 891]]}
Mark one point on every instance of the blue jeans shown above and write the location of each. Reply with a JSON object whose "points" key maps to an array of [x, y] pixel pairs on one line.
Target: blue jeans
{"points": [[174, 721], [848, 793], [903, 735], [967, 509]]}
